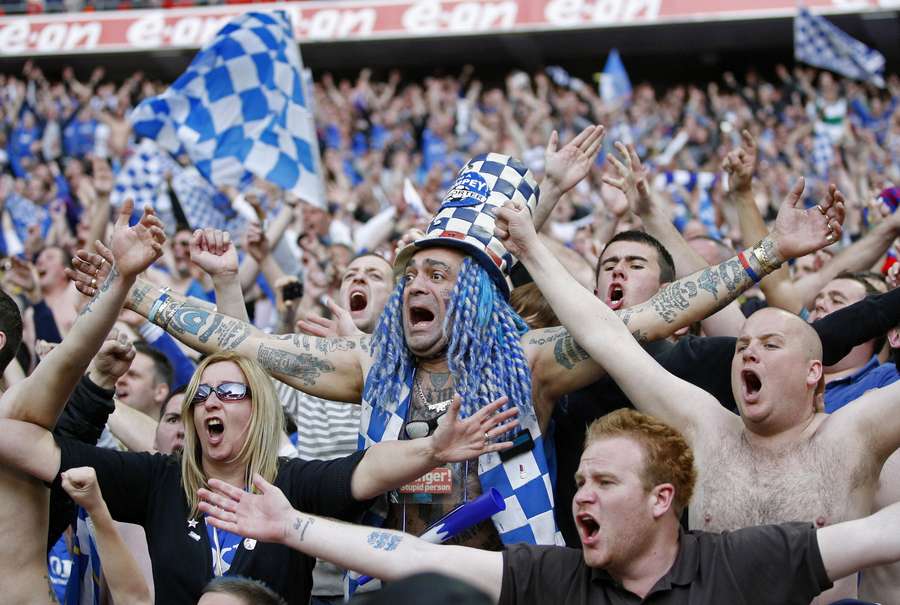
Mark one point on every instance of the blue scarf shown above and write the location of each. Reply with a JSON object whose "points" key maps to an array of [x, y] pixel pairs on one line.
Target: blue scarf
{"points": [[523, 481]]}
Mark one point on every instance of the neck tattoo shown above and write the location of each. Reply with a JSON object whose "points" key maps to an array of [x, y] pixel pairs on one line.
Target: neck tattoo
{"points": [[438, 407]]}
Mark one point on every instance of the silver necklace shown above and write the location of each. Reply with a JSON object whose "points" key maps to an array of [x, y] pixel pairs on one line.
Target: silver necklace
{"points": [[438, 407]]}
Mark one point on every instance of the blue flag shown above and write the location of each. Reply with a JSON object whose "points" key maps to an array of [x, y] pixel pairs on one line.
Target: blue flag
{"points": [[614, 83], [819, 43], [240, 110]]}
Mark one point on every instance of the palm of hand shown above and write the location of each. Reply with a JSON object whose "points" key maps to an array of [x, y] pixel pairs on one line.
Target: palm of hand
{"points": [[134, 249], [800, 231], [567, 166]]}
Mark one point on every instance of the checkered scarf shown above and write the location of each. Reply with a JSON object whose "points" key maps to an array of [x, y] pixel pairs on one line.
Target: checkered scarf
{"points": [[523, 481]]}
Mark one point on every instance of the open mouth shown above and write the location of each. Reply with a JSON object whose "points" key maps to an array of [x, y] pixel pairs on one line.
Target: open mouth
{"points": [[418, 315], [752, 384], [615, 297], [215, 427], [358, 301], [589, 527]]}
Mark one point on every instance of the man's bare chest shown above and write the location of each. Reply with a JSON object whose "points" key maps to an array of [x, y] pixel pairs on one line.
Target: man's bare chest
{"points": [[739, 485]]}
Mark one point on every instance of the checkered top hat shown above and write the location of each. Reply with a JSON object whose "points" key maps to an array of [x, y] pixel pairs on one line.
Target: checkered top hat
{"points": [[466, 217]]}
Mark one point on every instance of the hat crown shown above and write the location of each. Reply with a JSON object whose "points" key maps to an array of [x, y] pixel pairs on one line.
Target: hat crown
{"points": [[467, 214]]}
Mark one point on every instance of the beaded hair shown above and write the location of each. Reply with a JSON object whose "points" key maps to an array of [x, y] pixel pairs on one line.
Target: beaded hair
{"points": [[485, 356]]}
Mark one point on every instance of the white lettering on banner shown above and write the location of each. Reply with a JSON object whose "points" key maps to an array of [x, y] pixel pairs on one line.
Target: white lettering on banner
{"points": [[185, 31], [14, 37], [146, 32], [429, 16], [332, 23], [152, 32], [84, 35], [577, 12]]}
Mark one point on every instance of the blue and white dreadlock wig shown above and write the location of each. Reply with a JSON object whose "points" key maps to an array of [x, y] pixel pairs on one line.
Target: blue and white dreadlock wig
{"points": [[484, 353]]}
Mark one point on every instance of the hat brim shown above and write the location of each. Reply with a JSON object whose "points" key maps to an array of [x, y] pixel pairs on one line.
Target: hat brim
{"points": [[477, 254]]}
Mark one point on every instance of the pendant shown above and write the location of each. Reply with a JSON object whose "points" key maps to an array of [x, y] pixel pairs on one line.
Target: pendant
{"points": [[439, 407]]}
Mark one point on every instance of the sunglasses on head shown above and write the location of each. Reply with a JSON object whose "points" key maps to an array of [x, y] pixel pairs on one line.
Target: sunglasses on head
{"points": [[227, 391]]}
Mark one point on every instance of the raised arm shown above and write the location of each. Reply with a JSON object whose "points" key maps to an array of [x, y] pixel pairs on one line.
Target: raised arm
{"points": [[560, 366], [40, 397], [645, 203], [213, 251], [388, 555], [871, 423], [123, 574], [391, 464], [603, 338], [854, 545], [596, 327], [330, 368], [564, 168]]}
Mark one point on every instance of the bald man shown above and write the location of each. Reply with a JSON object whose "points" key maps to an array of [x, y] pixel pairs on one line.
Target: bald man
{"points": [[782, 460]]}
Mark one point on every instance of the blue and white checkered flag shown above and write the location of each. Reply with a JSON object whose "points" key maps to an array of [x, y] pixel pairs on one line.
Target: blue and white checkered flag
{"points": [[240, 110], [143, 179], [819, 43], [203, 204]]}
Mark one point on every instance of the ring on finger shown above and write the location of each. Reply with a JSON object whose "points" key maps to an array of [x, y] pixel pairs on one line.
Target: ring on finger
{"points": [[486, 438], [93, 282], [821, 209]]}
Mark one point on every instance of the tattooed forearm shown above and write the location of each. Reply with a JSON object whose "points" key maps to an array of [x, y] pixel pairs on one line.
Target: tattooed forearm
{"points": [[673, 298], [303, 366], [732, 274], [383, 540], [188, 320], [568, 352], [709, 281], [327, 345], [301, 524], [104, 287], [232, 333], [138, 294], [217, 321]]}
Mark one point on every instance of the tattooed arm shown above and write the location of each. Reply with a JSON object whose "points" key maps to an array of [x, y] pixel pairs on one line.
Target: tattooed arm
{"points": [[330, 368], [605, 337], [384, 554], [40, 397]]}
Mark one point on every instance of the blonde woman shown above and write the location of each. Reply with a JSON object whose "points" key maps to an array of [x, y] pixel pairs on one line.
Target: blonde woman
{"points": [[232, 426]]}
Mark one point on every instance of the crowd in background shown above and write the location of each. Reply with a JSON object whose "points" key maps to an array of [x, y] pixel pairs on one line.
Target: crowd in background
{"points": [[390, 148], [375, 135]]}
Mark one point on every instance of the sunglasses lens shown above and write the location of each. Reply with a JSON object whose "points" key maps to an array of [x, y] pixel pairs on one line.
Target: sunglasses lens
{"points": [[202, 393], [231, 391]]}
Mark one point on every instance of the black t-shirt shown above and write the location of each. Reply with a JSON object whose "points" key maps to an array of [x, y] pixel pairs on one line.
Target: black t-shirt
{"points": [[770, 564], [146, 489]]}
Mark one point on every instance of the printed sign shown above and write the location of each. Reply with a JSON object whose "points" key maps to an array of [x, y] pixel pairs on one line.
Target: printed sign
{"points": [[436, 481]]}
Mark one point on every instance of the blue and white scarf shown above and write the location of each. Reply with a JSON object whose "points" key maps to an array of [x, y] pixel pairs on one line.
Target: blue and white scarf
{"points": [[523, 481]]}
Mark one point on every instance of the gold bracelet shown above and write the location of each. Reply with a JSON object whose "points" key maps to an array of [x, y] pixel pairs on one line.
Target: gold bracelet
{"points": [[761, 252]]}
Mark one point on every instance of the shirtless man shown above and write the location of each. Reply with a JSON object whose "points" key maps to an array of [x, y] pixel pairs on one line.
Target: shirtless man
{"points": [[779, 461], [23, 500], [59, 294], [338, 369]]}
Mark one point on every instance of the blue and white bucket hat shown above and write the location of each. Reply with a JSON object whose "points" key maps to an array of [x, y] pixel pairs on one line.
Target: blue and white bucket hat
{"points": [[466, 217]]}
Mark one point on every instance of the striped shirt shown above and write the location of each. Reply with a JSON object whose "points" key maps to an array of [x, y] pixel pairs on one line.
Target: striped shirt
{"points": [[325, 430]]}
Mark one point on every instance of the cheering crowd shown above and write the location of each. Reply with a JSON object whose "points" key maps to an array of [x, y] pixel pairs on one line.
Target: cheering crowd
{"points": [[661, 328]]}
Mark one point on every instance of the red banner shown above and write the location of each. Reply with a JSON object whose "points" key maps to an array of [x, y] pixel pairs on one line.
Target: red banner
{"points": [[328, 21]]}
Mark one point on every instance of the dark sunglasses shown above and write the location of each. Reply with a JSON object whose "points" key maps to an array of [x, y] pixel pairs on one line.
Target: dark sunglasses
{"points": [[227, 391]]}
